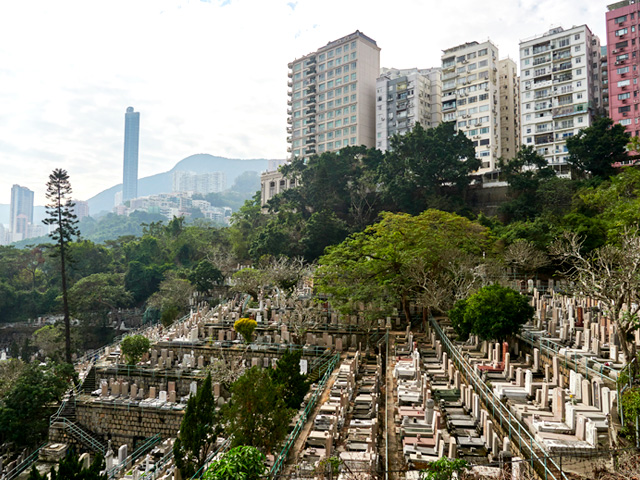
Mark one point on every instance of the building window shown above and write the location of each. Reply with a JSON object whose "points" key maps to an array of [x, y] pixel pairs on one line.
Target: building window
{"points": [[620, 19], [622, 31]]}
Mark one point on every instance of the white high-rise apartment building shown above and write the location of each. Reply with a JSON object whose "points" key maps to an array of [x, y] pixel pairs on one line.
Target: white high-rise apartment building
{"points": [[470, 97], [212, 182], [332, 96], [559, 84], [404, 98]]}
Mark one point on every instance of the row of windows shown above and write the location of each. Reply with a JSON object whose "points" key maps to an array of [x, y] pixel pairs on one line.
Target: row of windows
{"points": [[449, 62]]}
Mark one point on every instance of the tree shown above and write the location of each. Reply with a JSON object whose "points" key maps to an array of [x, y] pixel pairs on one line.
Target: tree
{"points": [[239, 463], [248, 280], [60, 211], [368, 273], [133, 347], [205, 276], [25, 409], [492, 313], [49, 339], [609, 274], [428, 168], [596, 149], [174, 294], [70, 468], [95, 296], [287, 374], [198, 431], [256, 414], [525, 173], [245, 327], [525, 256]]}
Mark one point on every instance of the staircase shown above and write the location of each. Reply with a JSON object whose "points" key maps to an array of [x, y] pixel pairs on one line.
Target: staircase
{"points": [[89, 439], [89, 383]]}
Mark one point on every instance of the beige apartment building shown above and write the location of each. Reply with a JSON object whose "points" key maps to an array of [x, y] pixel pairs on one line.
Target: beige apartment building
{"points": [[332, 96], [470, 97], [509, 108]]}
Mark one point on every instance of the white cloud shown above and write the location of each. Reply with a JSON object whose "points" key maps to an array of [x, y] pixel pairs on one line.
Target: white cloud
{"points": [[206, 76]]}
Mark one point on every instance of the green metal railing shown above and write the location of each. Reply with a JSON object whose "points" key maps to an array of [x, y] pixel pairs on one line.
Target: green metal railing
{"points": [[82, 436], [282, 456], [148, 444], [517, 432], [576, 362], [26, 463]]}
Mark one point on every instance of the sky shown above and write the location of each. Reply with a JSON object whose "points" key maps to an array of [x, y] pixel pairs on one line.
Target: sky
{"points": [[206, 76]]}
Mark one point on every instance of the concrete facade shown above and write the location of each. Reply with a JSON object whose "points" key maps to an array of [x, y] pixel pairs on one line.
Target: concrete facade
{"points": [[622, 64], [559, 85], [404, 98], [470, 97], [332, 96], [509, 108]]}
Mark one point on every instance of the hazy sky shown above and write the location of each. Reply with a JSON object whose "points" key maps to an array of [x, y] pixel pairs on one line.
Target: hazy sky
{"points": [[206, 76]]}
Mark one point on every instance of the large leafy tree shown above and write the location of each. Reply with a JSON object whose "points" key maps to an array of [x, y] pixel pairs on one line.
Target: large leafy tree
{"points": [[369, 273], [595, 149], [95, 296], [525, 173], [198, 431], [493, 313], [60, 214], [428, 168], [256, 414]]}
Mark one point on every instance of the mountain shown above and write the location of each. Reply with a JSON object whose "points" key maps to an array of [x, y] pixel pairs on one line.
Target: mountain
{"points": [[163, 182]]}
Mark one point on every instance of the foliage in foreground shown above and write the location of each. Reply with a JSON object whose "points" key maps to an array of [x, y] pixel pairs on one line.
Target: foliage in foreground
{"points": [[70, 468], [198, 431], [239, 463], [25, 409]]}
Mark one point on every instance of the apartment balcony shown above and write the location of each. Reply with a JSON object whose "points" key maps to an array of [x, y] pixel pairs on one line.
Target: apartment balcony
{"points": [[290, 74], [290, 84], [289, 130], [311, 61], [310, 101], [289, 111], [289, 93], [311, 150], [310, 111], [289, 121], [561, 68], [289, 102], [289, 149], [310, 141], [310, 72]]}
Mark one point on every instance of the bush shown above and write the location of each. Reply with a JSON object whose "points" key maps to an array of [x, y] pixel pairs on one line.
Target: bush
{"points": [[245, 327], [133, 347]]}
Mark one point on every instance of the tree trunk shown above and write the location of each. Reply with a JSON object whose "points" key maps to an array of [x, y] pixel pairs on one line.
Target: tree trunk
{"points": [[65, 304], [405, 309]]}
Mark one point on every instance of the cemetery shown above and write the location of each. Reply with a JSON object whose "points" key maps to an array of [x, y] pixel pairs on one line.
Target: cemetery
{"points": [[546, 404]]}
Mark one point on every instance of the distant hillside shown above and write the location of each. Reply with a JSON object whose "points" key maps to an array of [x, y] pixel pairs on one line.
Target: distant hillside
{"points": [[162, 182]]}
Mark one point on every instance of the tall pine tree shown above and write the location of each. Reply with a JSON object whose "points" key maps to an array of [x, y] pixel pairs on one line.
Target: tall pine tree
{"points": [[60, 213]]}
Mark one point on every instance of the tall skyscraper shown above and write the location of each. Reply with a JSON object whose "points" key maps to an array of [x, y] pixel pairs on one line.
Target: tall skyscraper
{"points": [[623, 64], [509, 108], [131, 141], [332, 96], [559, 90], [21, 212], [404, 98]]}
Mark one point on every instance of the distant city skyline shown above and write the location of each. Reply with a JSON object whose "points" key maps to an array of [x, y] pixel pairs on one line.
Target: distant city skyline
{"points": [[195, 94]]}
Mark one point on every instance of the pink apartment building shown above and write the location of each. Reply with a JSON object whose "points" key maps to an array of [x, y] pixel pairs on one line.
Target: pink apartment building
{"points": [[623, 45]]}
